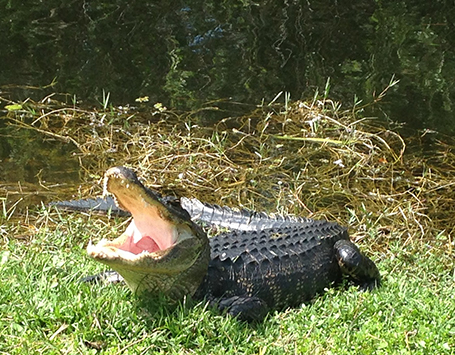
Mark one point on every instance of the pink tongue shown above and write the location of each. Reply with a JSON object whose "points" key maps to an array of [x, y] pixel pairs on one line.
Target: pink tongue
{"points": [[148, 244]]}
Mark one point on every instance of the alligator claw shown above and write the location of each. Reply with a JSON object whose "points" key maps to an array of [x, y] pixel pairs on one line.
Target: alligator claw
{"points": [[109, 276], [357, 266]]}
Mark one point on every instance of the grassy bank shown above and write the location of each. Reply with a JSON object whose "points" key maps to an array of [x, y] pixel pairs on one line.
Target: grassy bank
{"points": [[45, 310]]}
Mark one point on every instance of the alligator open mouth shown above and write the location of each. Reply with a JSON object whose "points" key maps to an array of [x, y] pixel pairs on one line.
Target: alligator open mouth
{"points": [[150, 231], [160, 239]]}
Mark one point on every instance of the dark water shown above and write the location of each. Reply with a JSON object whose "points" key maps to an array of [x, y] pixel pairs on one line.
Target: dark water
{"points": [[185, 53]]}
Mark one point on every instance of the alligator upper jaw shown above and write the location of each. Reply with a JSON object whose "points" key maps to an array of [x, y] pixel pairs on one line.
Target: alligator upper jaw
{"points": [[154, 230]]}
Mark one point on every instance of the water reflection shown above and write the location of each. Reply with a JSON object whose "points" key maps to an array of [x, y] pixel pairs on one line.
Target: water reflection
{"points": [[34, 169], [186, 54]]}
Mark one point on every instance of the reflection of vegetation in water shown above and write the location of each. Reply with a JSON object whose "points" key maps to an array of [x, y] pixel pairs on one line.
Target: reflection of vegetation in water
{"points": [[416, 42], [185, 55]]}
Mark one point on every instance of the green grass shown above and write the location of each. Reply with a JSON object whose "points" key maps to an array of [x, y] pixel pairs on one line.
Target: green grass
{"points": [[45, 310]]}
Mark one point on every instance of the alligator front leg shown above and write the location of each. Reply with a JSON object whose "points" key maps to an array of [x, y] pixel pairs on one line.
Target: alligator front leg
{"points": [[245, 308], [357, 266]]}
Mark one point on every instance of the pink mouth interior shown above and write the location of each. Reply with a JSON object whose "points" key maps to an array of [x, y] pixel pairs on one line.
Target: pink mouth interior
{"points": [[136, 242], [148, 231]]}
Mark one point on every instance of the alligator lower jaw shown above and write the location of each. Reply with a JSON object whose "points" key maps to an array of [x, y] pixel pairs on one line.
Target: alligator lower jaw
{"points": [[148, 234], [143, 265]]}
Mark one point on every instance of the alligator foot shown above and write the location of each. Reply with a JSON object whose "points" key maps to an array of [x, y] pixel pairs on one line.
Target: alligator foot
{"points": [[358, 267], [109, 276], [245, 308]]}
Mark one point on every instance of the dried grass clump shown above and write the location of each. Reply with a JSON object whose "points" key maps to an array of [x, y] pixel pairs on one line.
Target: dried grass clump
{"points": [[309, 159]]}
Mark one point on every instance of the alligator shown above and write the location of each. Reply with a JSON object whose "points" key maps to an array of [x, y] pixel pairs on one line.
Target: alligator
{"points": [[262, 262]]}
